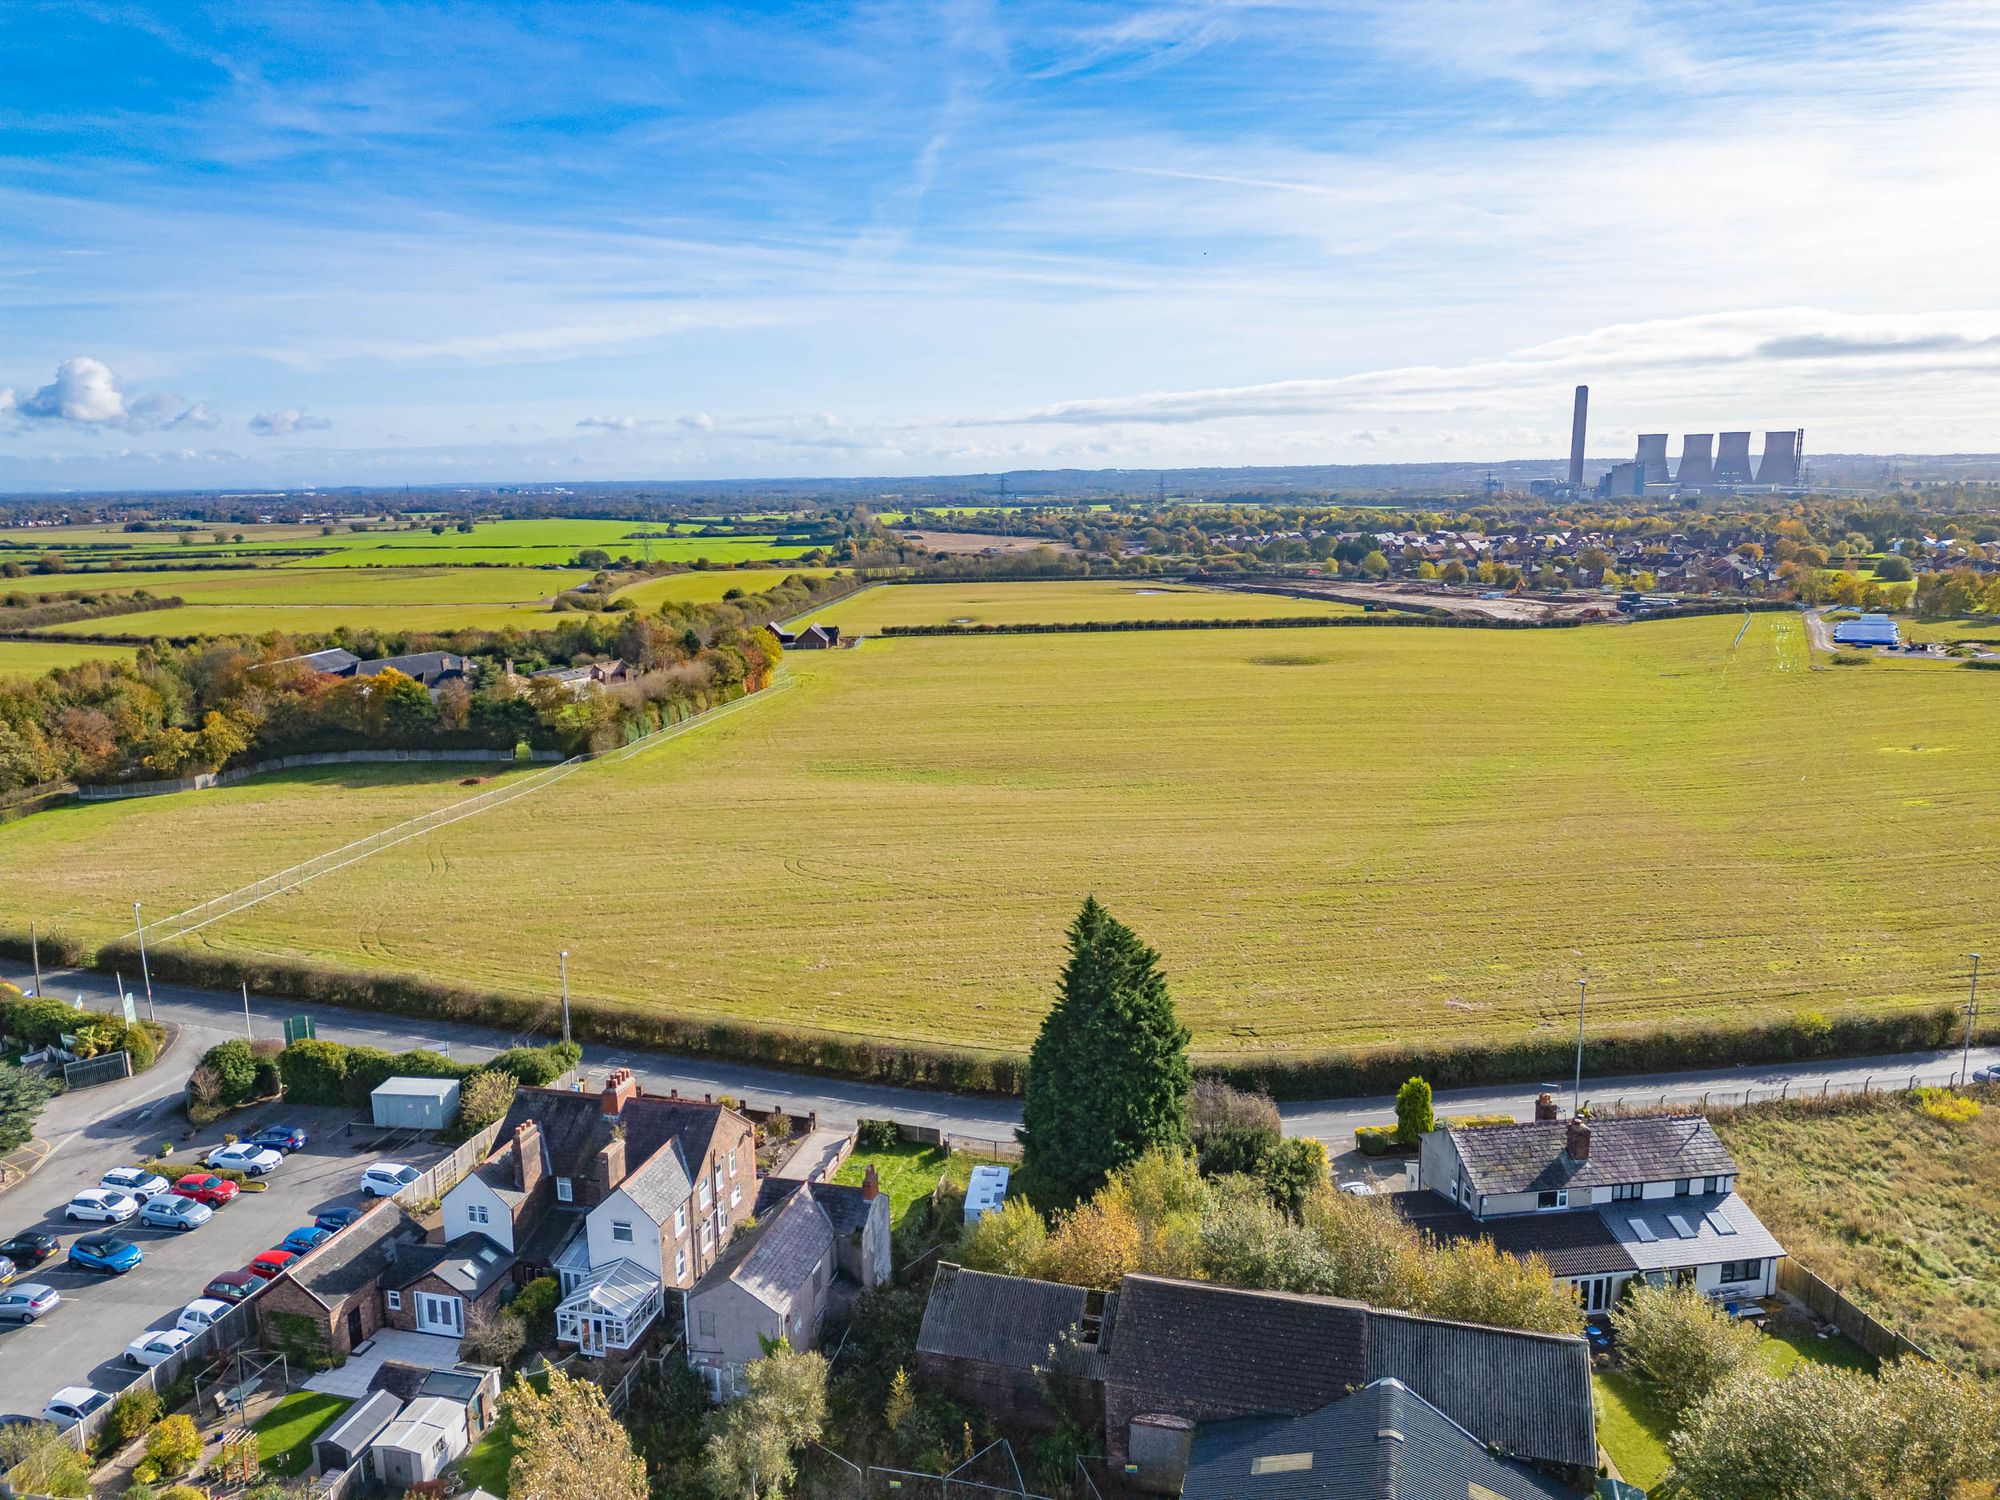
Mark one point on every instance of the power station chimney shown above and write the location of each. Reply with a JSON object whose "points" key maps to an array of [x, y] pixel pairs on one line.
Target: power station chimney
{"points": [[1576, 425]]}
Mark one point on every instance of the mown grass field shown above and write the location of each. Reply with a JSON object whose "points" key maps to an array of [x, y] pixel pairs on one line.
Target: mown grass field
{"points": [[1898, 1210], [1333, 837], [1060, 601], [708, 587], [33, 658], [295, 619]]}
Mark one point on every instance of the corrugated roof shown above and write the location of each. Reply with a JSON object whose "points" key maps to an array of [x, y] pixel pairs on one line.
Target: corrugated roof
{"points": [[1003, 1320], [1534, 1157]]}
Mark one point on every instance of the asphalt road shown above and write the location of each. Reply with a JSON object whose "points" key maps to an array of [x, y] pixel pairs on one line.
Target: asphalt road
{"points": [[210, 1016]]}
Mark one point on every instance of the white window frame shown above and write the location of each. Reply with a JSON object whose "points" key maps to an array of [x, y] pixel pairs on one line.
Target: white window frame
{"points": [[735, 1196], [1561, 1195], [565, 1191], [621, 1231], [681, 1219], [394, 1301], [707, 1236], [732, 1161], [681, 1263], [475, 1213]]}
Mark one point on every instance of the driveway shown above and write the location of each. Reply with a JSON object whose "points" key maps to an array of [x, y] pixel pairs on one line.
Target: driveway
{"points": [[83, 1341]]}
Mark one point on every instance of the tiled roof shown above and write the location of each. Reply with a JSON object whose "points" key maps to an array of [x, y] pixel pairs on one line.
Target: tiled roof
{"points": [[1002, 1320], [574, 1129], [774, 1261], [1384, 1442], [1642, 1148], [357, 1256], [845, 1207], [468, 1265], [1577, 1243], [1723, 1228]]}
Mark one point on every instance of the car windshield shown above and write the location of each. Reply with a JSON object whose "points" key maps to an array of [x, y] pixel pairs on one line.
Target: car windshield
{"points": [[408, 1174]]}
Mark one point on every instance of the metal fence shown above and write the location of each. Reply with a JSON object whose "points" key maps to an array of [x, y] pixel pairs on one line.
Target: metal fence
{"points": [[948, 1140], [1707, 1099], [88, 1072], [117, 790], [1825, 1301]]}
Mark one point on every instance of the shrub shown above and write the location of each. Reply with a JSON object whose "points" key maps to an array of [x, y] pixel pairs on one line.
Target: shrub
{"points": [[314, 1072], [877, 1135], [37, 1023], [537, 1067], [494, 1339], [1945, 1106], [38, 1460], [1007, 1242], [1677, 1339], [1233, 1129], [1292, 1170], [1375, 1140], [484, 1098], [174, 1444], [183, 1492], [131, 1414], [144, 1473], [535, 1306], [1474, 1122], [235, 1071], [1413, 1111]]}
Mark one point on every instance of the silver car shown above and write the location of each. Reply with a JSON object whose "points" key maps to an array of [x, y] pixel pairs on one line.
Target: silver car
{"points": [[28, 1301], [171, 1212]]}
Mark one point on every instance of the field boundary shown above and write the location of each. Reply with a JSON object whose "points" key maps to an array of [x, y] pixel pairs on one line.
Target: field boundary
{"points": [[1827, 1301], [113, 791]]}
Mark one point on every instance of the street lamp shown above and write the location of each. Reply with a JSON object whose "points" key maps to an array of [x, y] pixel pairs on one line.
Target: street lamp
{"points": [[144, 968], [1971, 1016], [1576, 1097], [564, 956]]}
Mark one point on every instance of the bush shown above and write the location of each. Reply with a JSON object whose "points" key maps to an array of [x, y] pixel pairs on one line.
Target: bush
{"points": [[131, 1414], [1007, 1242], [877, 1135], [1944, 1106], [1376, 1140], [235, 1071], [535, 1306], [1413, 1111], [174, 1444], [484, 1098], [37, 1023], [144, 1473], [537, 1067], [314, 1072], [183, 1492], [1475, 1122], [1292, 1170], [1681, 1342]]}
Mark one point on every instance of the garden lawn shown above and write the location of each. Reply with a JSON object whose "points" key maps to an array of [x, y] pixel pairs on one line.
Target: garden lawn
{"points": [[1630, 1427], [487, 1461], [285, 1432], [1333, 836], [907, 1173], [1060, 601]]}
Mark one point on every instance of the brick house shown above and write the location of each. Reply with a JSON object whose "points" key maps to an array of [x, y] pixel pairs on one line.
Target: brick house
{"points": [[338, 1287]]}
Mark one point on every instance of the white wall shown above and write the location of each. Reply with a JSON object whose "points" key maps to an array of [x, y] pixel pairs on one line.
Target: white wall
{"points": [[644, 1248], [499, 1225]]}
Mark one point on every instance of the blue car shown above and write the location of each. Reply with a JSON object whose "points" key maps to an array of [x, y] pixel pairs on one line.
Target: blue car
{"points": [[304, 1238], [105, 1253], [336, 1219], [286, 1138]]}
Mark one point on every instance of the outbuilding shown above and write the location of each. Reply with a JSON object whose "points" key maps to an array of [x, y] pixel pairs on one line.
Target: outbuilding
{"points": [[420, 1443], [416, 1103], [347, 1442], [1869, 630], [985, 1192]]}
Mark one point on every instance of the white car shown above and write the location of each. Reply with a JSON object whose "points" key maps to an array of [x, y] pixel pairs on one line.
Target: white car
{"points": [[101, 1206], [386, 1179], [136, 1182], [200, 1313], [158, 1346], [252, 1161], [72, 1404], [1357, 1189]]}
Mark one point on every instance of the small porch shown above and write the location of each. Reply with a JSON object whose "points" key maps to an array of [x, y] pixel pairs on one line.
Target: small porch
{"points": [[611, 1310]]}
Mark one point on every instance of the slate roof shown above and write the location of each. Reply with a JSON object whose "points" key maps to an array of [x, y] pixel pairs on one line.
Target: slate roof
{"points": [[660, 1183], [845, 1208], [1642, 1148], [1576, 1243], [774, 1261], [1724, 1229], [425, 666], [468, 1265], [358, 1256], [1384, 1442], [574, 1129], [1002, 1320]]}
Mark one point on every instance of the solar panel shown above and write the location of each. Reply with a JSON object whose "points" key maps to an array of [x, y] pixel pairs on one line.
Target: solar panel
{"points": [[1720, 1222], [1681, 1226], [1643, 1230]]}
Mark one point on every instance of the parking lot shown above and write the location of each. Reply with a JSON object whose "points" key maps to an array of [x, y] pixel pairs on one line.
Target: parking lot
{"points": [[82, 1342]]}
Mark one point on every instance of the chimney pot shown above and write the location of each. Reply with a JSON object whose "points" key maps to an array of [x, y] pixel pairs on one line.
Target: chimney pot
{"points": [[871, 1185], [1579, 1141], [1545, 1110]]}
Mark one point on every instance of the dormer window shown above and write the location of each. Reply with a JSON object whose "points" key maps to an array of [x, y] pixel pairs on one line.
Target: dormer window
{"points": [[1625, 1190], [565, 1193], [1682, 1186]]}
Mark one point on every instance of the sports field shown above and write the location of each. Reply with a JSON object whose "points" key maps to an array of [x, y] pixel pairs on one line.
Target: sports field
{"points": [[33, 658], [1332, 836], [1060, 601]]}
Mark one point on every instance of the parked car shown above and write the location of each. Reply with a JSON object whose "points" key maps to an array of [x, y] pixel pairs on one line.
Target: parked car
{"points": [[102, 1206], [271, 1263], [158, 1346], [8, 1270], [72, 1404], [1357, 1189], [1986, 1075], [252, 1161], [106, 1253], [305, 1237], [201, 1312], [206, 1187], [136, 1182], [232, 1286], [15, 1419], [32, 1248], [386, 1179], [172, 1212], [28, 1300], [286, 1138], [336, 1219]]}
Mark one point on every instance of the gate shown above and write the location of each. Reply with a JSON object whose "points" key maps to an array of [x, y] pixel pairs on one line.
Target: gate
{"points": [[91, 1071]]}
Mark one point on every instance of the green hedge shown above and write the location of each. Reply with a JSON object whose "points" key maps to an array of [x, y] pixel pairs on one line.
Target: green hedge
{"points": [[1375, 1140], [317, 1072]]}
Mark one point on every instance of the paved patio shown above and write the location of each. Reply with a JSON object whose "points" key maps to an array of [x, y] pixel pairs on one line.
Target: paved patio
{"points": [[429, 1351]]}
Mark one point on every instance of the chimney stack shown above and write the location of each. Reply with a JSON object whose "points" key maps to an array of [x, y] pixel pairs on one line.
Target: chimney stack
{"points": [[610, 1165], [1576, 426], [619, 1085], [871, 1185], [527, 1156], [1545, 1110], [1579, 1140]]}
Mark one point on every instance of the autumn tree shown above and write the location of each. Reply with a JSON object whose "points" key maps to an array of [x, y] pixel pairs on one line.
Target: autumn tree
{"points": [[1108, 1077], [568, 1445], [1679, 1340], [753, 1443]]}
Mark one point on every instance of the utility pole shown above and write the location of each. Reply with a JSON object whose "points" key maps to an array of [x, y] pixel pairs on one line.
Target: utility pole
{"points": [[1576, 1096], [564, 956], [144, 968], [1971, 1016], [246, 1012], [35, 945]]}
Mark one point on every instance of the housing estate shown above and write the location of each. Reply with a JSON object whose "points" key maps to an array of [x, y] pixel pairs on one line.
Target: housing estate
{"points": [[1171, 1367], [1601, 1200]]}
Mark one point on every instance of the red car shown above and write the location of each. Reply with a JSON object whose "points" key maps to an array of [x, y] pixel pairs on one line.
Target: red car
{"points": [[270, 1264], [232, 1286], [204, 1188]]}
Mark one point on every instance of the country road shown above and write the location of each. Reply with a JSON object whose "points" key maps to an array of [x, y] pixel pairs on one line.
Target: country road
{"points": [[209, 1016]]}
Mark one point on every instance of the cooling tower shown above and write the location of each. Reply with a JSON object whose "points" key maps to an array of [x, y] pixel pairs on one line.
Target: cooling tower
{"points": [[1653, 458], [1732, 460], [1780, 463], [1576, 439], [1697, 470]]}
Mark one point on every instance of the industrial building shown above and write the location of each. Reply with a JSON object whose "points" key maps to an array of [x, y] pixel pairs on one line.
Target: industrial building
{"points": [[1869, 630], [1708, 462]]}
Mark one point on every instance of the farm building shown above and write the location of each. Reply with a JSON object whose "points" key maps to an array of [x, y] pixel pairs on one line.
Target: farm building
{"points": [[1869, 630], [415, 1103]]}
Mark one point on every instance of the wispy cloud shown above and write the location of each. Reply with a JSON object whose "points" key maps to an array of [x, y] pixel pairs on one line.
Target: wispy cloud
{"points": [[286, 422]]}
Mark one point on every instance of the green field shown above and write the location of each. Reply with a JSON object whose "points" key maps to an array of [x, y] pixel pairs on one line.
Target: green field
{"points": [[1060, 601], [295, 619], [707, 587], [1333, 836], [33, 658]]}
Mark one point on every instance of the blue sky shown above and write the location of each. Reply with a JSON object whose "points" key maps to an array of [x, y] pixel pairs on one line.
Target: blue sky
{"points": [[292, 243]]}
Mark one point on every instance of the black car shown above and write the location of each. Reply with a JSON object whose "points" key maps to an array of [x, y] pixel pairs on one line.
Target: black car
{"points": [[336, 1219], [30, 1249]]}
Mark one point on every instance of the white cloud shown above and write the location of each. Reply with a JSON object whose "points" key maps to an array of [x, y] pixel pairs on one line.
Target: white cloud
{"points": [[608, 424], [83, 392], [284, 423]]}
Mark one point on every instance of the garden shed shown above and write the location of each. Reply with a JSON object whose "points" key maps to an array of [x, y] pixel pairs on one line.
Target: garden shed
{"points": [[344, 1444], [416, 1103]]}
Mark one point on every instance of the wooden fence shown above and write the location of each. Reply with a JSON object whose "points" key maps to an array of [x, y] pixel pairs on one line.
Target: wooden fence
{"points": [[445, 1175], [234, 1328], [1826, 1302]]}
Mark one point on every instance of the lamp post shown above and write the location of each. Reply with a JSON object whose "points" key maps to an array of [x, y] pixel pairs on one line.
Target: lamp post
{"points": [[564, 957], [144, 969], [35, 945], [1971, 1016], [1576, 1096]]}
